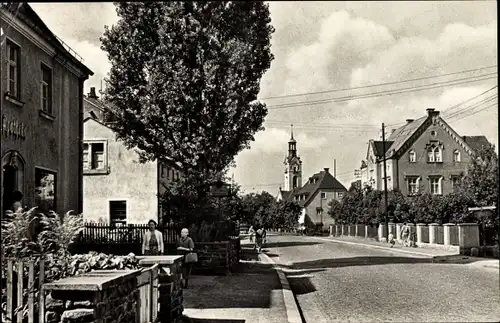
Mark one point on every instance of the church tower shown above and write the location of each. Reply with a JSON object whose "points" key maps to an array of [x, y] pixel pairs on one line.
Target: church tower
{"points": [[293, 166]]}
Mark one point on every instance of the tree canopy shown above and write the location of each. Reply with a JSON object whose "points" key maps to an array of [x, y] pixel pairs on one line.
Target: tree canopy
{"points": [[185, 76]]}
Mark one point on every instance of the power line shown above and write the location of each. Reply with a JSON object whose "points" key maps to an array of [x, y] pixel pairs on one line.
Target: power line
{"points": [[470, 108], [475, 112], [466, 80], [379, 84]]}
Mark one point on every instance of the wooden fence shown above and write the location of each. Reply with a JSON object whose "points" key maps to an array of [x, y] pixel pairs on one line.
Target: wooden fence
{"points": [[147, 305], [15, 289], [97, 233]]}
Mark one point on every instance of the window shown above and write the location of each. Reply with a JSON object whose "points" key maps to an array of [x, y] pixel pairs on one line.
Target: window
{"points": [[435, 183], [413, 183], [323, 195], [13, 69], [455, 181], [434, 154], [45, 190], [413, 156], [456, 156], [94, 157], [117, 212], [46, 90]]}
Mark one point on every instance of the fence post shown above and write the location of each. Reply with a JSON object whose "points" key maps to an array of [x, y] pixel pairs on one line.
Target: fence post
{"points": [[19, 305], [10, 289], [41, 279], [31, 292]]}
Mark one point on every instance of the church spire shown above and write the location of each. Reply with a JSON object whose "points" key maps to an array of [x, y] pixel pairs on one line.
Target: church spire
{"points": [[291, 137]]}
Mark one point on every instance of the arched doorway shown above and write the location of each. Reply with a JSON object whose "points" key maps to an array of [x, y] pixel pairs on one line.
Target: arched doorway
{"points": [[12, 177]]}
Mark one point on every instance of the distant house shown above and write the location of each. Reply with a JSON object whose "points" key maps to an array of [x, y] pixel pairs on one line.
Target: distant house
{"points": [[117, 188], [314, 195], [424, 155]]}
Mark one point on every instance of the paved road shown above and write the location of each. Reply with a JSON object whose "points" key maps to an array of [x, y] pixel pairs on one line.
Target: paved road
{"points": [[344, 283]]}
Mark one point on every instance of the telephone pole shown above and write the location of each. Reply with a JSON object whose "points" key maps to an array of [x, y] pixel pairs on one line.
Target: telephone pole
{"points": [[385, 184]]}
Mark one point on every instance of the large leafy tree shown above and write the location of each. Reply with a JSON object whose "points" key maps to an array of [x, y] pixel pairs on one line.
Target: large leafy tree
{"points": [[184, 79], [285, 214]]}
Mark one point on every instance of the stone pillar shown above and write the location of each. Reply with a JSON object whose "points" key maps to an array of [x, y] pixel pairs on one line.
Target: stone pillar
{"points": [[331, 230], [433, 233], [422, 233], [344, 230], [367, 231], [468, 237], [398, 231], [449, 231], [382, 234]]}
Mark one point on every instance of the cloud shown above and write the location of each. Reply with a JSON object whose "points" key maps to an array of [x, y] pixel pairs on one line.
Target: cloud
{"points": [[274, 140]]}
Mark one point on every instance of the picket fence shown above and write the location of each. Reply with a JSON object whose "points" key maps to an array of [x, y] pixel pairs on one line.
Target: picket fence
{"points": [[15, 312]]}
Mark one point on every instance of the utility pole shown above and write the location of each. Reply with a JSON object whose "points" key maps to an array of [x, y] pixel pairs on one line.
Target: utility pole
{"points": [[385, 183]]}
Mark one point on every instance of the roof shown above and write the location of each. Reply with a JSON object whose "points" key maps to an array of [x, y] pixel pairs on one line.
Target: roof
{"points": [[401, 135], [378, 147], [325, 180], [26, 13], [476, 142]]}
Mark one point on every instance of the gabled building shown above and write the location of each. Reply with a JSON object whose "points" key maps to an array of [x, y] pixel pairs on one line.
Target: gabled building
{"points": [[315, 194], [42, 114], [424, 155], [117, 188]]}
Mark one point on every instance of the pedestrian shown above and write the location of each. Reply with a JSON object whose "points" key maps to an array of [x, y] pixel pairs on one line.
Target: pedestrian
{"points": [[405, 234], [152, 242], [391, 239], [260, 236], [251, 232], [185, 246]]}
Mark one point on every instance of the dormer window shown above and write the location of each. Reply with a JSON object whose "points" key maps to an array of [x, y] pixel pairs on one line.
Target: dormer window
{"points": [[456, 156], [434, 153], [412, 156]]}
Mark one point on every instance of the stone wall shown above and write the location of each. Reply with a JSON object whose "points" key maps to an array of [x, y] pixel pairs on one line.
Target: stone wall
{"points": [[216, 256], [96, 297]]}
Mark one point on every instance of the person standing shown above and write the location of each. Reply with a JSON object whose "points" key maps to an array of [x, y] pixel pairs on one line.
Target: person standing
{"points": [[152, 242], [185, 246], [260, 236], [251, 232], [405, 233]]}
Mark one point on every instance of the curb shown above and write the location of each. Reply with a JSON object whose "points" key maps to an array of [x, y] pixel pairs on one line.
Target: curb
{"points": [[292, 310], [380, 247]]}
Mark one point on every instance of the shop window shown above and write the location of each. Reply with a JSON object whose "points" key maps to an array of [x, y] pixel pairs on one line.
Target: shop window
{"points": [[45, 190]]}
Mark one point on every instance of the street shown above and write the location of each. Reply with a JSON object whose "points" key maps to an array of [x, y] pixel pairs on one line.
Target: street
{"points": [[336, 282]]}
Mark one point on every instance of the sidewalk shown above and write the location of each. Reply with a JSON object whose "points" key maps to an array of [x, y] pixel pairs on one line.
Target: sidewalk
{"points": [[436, 254], [252, 294]]}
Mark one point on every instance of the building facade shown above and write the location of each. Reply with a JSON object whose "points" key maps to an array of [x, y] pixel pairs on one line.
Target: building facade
{"points": [[117, 188], [424, 155], [315, 194], [42, 114]]}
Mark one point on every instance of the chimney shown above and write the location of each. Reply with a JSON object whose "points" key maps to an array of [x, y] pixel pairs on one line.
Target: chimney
{"points": [[408, 121], [326, 170], [92, 93], [432, 112]]}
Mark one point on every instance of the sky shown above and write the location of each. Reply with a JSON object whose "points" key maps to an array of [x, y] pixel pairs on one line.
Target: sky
{"points": [[327, 46]]}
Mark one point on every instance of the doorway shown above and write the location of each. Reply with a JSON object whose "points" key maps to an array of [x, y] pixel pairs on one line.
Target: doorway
{"points": [[9, 186]]}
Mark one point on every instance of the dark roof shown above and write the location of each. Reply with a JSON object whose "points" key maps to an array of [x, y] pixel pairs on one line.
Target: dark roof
{"points": [[402, 134], [325, 180], [26, 13], [378, 147], [476, 142]]}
